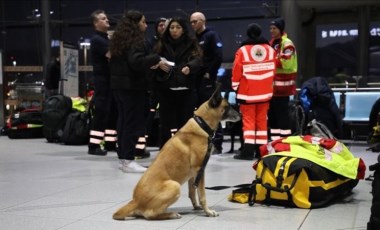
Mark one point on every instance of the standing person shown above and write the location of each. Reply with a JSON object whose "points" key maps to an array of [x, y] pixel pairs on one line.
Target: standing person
{"points": [[175, 85], [284, 83], [252, 79], [103, 123], [212, 48], [129, 62], [152, 103], [53, 76], [159, 28]]}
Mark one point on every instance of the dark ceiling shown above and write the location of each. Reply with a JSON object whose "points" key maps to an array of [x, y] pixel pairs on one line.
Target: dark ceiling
{"points": [[21, 27], [21, 21], [22, 12]]}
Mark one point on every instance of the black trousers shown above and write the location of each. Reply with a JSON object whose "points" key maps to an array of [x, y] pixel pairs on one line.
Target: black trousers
{"points": [[131, 120], [104, 113], [176, 108], [103, 107], [151, 113], [278, 117]]}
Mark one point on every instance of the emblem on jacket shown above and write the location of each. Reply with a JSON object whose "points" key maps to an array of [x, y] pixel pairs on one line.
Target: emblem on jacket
{"points": [[258, 53]]}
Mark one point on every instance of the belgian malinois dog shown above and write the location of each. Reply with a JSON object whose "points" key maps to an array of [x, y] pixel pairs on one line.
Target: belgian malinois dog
{"points": [[183, 158]]}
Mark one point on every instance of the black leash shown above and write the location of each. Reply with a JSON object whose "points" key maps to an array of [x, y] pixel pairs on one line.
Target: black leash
{"points": [[221, 187], [210, 133]]}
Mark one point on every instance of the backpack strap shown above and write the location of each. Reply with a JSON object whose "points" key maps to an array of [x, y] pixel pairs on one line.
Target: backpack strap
{"points": [[269, 188]]}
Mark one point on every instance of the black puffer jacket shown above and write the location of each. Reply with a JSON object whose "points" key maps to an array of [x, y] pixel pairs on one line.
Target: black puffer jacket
{"points": [[182, 53], [128, 72], [323, 104]]}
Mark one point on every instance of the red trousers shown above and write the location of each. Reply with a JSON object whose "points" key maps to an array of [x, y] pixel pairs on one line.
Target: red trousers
{"points": [[255, 122]]}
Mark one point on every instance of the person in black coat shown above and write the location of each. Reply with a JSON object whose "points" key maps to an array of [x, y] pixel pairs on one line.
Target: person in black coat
{"points": [[159, 28], [175, 86], [151, 134], [319, 103], [212, 48], [53, 76], [128, 65], [103, 123]]}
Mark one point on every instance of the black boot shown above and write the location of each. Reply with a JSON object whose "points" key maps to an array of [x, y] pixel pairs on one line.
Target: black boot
{"points": [[218, 140], [94, 149], [257, 152], [247, 153], [110, 146]]}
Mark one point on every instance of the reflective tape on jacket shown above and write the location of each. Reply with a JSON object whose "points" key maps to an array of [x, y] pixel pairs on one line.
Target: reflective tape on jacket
{"points": [[254, 98], [263, 76], [284, 83]]}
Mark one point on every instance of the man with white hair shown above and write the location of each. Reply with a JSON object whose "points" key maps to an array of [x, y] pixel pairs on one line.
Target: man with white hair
{"points": [[212, 46]]}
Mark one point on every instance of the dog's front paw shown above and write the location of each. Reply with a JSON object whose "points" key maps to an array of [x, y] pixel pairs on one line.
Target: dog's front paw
{"points": [[212, 213]]}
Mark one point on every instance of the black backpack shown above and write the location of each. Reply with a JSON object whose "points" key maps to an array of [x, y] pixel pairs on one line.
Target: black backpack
{"points": [[300, 125], [374, 126], [76, 130], [374, 220], [25, 124], [317, 101], [56, 109]]}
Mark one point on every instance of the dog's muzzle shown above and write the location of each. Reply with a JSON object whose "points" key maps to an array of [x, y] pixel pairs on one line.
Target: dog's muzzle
{"points": [[231, 115]]}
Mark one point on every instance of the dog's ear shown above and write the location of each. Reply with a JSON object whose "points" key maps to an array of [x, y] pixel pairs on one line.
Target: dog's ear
{"points": [[216, 97]]}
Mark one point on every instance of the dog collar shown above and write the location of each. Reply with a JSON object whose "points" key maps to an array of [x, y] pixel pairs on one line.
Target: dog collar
{"points": [[204, 125], [210, 132]]}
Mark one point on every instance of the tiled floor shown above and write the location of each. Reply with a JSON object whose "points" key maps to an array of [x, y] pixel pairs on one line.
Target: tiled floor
{"points": [[52, 186]]}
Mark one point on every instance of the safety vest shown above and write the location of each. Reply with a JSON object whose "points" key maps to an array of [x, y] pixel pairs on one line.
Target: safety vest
{"points": [[328, 153], [252, 73], [286, 67]]}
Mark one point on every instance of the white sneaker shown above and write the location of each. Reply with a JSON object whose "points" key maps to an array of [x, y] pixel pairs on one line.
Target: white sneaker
{"points": [[121, 163], [132, 167]]}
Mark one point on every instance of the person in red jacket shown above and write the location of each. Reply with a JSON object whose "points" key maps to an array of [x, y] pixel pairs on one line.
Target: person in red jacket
{"points": [[252, 79]]}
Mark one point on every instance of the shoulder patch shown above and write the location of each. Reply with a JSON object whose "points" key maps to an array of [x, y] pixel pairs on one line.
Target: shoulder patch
{"points": [[258, 53]]}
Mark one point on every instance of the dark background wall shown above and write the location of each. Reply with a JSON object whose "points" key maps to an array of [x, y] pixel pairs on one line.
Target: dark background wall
{"points": [[22, 37], [21, 25], [29, 27]]}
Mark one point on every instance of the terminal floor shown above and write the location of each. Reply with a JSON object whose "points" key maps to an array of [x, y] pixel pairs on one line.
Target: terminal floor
{"points": [[52, 186]]}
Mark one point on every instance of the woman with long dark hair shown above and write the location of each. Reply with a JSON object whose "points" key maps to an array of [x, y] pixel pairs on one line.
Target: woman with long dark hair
{"points": [[128, 64]]}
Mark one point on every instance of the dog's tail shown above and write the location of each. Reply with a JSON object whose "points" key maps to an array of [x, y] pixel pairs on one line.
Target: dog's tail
{"points": [[127, 210]]}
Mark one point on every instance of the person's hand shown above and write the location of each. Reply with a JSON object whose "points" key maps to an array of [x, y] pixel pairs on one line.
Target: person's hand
{"points": [[155, 66], [164, 66], [108, 55], [185, 70]]}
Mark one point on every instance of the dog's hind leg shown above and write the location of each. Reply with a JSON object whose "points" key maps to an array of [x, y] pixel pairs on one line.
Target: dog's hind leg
{"points": [[168, 195], [165, 216], [127, 210]]}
